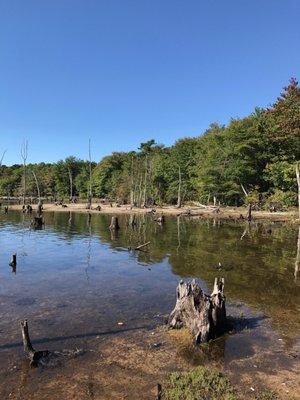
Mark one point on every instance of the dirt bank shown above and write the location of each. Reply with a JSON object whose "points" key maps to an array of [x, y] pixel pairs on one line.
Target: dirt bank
{"points": [[224, 213]]}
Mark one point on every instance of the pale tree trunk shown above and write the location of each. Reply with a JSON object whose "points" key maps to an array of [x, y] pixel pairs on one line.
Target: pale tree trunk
{"points": [[1, 159], [297, 262], [71, 183], [244, 190], [37, 186], [140, 191], [91, 178], [24, 154], [298, 182], [132, 185], [145, 184], [179, 188]]}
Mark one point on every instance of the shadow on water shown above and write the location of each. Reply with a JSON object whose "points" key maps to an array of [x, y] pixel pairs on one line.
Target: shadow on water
{"points": [[73, 337]]}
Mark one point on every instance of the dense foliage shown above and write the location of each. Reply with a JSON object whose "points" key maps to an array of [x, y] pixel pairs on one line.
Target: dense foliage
{"points": [[250, 159]]}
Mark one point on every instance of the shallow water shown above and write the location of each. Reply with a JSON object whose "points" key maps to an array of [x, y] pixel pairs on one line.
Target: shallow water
{"points": [[75, 281]]}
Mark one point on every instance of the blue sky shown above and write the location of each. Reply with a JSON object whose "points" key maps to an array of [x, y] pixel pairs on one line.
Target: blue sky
{"points": [[121, 72]]}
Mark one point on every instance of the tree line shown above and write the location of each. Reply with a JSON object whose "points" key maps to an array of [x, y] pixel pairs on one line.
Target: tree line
{"points": [[251, 159]]}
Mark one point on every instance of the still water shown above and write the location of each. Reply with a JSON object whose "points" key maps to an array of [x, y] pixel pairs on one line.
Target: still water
{"points": [[75, 280]]}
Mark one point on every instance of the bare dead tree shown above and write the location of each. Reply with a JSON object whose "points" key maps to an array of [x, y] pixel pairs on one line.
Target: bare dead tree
{"points": [[71, 182], [131, 185], [297, 262], [179, 188], [145, 182], [244, 190], [91, 177], [37, 186], [298, 182], [1, 159], [24, 155]]}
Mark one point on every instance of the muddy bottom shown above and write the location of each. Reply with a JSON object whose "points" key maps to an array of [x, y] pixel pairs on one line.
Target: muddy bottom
{"points": [[80, 288], [130, 363], [127, 365]]}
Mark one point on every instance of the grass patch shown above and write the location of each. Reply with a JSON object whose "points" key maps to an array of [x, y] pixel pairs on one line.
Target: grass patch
{"points": [[198, 384], [267, 395]]}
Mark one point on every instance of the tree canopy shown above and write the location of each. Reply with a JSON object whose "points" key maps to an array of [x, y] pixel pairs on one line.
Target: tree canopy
{"points": [[250, 158]]}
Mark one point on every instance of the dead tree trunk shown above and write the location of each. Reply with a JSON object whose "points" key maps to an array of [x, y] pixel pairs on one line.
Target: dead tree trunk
{"points": [[24, 154], [179, 188], [297, 262], [37, 222], [91, 177], [30, 353], [204, 315], [249, 214], [298, 182], [37, 186]]}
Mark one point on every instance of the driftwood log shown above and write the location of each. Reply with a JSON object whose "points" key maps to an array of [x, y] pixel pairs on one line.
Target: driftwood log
{"points": [[204, 315]]}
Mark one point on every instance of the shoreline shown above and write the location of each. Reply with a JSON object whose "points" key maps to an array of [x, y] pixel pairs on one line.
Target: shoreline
{"points": [[239, 213]]}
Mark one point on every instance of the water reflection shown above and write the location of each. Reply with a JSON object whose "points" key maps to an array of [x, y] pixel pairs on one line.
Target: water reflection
{"points": [[77, 262]]}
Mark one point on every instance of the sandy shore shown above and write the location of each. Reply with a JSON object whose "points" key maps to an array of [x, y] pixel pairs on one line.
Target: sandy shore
{"points": [[224, 213]]}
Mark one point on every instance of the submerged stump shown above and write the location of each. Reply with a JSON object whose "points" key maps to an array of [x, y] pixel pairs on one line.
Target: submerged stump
{"points": [[37, 222], [204, 315]]}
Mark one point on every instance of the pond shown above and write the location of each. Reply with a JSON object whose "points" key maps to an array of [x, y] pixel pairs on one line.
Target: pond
{"points": [[75, 281]]}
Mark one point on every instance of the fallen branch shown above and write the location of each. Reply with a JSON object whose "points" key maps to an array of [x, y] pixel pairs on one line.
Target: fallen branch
{"points": [[141, 246]]}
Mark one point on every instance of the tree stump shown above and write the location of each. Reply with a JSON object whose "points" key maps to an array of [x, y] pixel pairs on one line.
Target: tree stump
{"points": [[39, 211], [204, 315], [44, 358], [13, 260], [30, 353], [114, 225], [37, 222], [161, 219]]}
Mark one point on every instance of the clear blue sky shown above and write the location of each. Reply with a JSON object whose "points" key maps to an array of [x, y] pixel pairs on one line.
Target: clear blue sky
{"points": [[121, 72]]}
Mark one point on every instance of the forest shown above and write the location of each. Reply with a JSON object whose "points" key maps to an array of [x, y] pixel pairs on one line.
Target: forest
{"points": [[251, 159]]}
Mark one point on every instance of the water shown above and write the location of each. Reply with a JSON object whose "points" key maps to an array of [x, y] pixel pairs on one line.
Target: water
{"points": [[76, 281]]}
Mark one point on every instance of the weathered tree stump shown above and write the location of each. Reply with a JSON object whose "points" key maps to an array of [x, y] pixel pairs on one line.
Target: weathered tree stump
{"points": [[161, 219], [114, 225], [45, 357], [13, 260], [33, 356], [13, 263], [159, 392], [37, 222], [204, 315], [39, 211]]}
